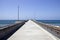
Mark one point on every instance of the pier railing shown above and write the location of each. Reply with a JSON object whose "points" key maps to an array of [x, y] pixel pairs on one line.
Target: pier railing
{"points": [[55, 31], [6, 32]]}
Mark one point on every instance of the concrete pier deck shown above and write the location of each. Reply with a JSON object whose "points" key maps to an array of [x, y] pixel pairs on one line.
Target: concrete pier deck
{"points": [[31, 31]]}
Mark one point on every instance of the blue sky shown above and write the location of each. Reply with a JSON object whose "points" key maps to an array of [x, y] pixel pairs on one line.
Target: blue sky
{"points": [[30, 9]]}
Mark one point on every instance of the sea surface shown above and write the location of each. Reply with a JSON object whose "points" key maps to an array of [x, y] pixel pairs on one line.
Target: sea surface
{"points": [[4, 23], [51, 22]]}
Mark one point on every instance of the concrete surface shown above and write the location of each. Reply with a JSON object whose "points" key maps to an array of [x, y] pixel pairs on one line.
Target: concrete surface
{"points": [[30, 31]]}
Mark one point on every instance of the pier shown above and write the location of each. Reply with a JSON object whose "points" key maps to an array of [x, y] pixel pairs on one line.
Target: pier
{"points": [[33, 30]]}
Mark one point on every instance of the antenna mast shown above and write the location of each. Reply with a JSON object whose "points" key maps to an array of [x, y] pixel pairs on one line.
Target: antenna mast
{"points": [[18, 12]]}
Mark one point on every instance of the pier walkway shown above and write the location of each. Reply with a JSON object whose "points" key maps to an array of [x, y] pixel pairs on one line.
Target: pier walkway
{"points": [[31, 31]]}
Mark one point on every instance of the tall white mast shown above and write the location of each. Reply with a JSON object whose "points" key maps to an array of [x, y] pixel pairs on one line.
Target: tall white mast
{"points": [[18, 12]]}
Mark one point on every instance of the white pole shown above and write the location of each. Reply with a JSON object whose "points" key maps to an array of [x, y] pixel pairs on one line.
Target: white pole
{"points": [[18, 12]]}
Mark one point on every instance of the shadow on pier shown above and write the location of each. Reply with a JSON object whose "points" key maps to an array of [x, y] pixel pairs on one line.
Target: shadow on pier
{"points": [[8, 31]]}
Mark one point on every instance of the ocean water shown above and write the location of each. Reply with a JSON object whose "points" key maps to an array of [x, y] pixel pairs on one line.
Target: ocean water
{"points": [[6, 22], [51, 22]]}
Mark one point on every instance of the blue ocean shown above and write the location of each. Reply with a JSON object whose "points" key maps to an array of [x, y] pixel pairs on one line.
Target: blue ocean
{"points": [[8, 22], [52, 22]]}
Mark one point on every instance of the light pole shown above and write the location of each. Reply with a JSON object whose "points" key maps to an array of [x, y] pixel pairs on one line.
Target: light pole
{"points": [[18, 12]]}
